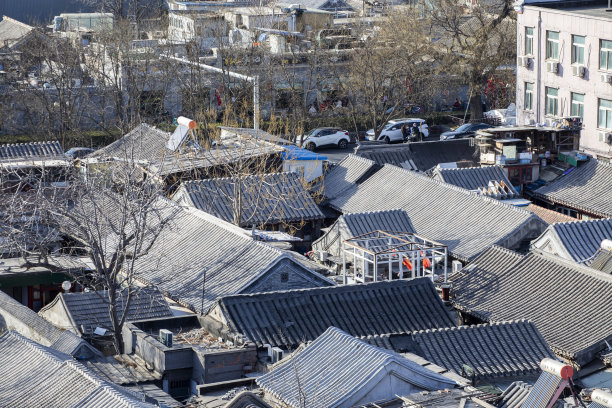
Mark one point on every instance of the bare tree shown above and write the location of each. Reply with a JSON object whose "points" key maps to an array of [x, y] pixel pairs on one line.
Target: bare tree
{"points": [[473, 43], [111, 217]]}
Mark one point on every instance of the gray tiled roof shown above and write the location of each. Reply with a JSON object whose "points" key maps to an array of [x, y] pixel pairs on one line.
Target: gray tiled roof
{"points": [[472, 178], [289, 318], [514, 395], [37, 376], [122, 369], [602, 261], [197, 245], [266, 199], [421, 156], [352, 169], [354, 224], [247, 399], [566, 301], [338, 370], [15, 316], [588, 188], [91, 309], [12, 30], [578, 240], [500, 349], [148, 144], [464, 221], [31, 150]]}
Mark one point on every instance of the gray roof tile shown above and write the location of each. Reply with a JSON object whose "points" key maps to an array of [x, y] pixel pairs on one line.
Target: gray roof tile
{"points": [[354, 224], [587, 188], [421, 156], [578, 240], [24, 320], [472, 178], [266, 199], [37, 376], [31, 150], [197, 245], [602, 261], [12, 31], [501, 349], [338, 370], [351, 170], [465, 222], [288, 318], [566, 301], [91, 309]]}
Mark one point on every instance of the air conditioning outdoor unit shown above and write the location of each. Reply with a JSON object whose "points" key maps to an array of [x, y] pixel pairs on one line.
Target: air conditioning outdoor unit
{"points": [[165, 337], [578, 70], [552, 66], [606, 78], [524, 61], [277, 354], [457, 266], [605, 137]]}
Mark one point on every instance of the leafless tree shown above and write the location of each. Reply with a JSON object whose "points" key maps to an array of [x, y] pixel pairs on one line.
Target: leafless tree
{"points": [[473, 43], [112, 217]]}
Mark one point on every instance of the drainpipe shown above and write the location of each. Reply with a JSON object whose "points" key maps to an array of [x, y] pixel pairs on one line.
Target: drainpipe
{"points": [[539, 70]]}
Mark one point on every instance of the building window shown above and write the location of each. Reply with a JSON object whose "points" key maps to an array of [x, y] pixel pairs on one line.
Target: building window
{"points": [[605, 55], [552, 45], [578, 49], [529, 95], [604, 120], [577, 105], [528, 40], [552, 101]]}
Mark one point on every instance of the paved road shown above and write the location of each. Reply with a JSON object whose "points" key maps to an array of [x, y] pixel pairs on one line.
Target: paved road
{"points": [[334, 154]]}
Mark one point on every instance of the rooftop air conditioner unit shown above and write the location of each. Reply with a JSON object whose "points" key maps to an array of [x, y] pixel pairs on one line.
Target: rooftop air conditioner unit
{"points": [[165, 337], [457, 266], [524, 61], [552, 66], [606, 78], [578, 70], [277, 354]]}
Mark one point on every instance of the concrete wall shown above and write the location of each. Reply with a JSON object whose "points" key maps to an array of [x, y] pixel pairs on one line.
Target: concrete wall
{"points": [[222, 365], [567, 24]]}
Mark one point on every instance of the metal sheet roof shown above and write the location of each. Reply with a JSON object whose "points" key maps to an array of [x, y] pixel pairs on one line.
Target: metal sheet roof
{"points": [[288, 318], [464, 221], [588, 188], [566, 301], [267, 199], [37, 376], [338, 370]]}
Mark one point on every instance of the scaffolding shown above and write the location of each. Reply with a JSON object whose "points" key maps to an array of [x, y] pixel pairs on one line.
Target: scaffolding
{"points": [[386, 255]]}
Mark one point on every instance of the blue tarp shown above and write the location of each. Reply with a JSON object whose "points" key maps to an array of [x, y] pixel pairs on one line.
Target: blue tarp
{"points": [[295, 153]]}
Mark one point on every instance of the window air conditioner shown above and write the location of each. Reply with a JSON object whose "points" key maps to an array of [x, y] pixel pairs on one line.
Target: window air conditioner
{"points": [[606, 78], [524, 61], [578, 70], [552, 66], [605, 137]]}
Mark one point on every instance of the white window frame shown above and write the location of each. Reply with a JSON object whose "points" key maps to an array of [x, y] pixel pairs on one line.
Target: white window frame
{"points": [[551, 98], [608, 113], [549, 48], [579, 104], [529, 96], [575, 47], [607, 52], [529, 41]]}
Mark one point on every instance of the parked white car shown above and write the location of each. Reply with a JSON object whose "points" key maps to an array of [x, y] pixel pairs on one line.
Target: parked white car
{"points": [[322, 137], [392, 132]]}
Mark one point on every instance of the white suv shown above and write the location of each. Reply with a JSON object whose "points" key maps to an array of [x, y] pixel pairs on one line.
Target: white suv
{"points": [[321, 137], [392, 132]]}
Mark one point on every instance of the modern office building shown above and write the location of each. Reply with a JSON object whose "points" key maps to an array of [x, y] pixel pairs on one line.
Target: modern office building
{"points": [[564, 67]]}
